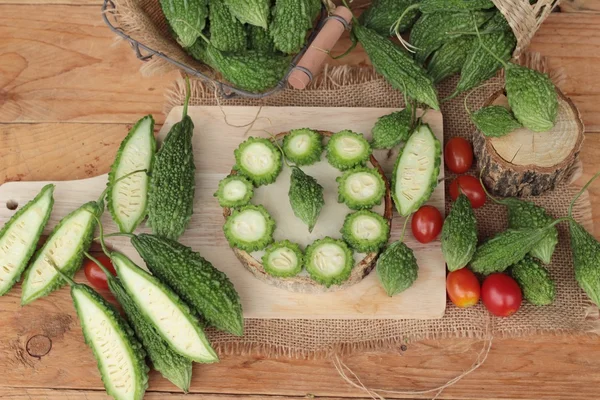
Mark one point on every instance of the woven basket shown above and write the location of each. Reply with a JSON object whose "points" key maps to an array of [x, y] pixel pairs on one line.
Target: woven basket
{"points": [[143, 24]]}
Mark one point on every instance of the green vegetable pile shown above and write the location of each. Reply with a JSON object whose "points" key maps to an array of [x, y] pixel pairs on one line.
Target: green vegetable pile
{"points": [[248, 42]]}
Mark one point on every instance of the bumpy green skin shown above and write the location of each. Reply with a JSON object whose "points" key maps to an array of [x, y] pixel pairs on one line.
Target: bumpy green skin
{"points": [[312, 154], [18, 269], [306, 197], [113, 171], [431, 31], [274, 271], [194, 279], [383, 14], [260, 244], [253, 12], [343, 161], [314, 271], [505, 249], [165, 360], [535, 282], [259, 39], [525, 214], [359, 204], [450, 58], [433, 180], [495, 121], [187, 18], [586, 260], [397, 67], [367, 245], [432, 6], [225, 202], [291, 20], [173, 183], [136, 352], [70, 267], [532, 98], [227, 33], [480, 65], [263, 179], [397, 268], [392, 129], [459, 234]]}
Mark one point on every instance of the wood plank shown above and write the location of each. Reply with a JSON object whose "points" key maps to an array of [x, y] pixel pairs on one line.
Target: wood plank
{"points": [[61, 63], [579, 6]]}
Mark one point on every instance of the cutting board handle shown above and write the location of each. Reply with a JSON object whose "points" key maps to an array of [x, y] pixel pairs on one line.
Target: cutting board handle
{"points": [[313, 59]]}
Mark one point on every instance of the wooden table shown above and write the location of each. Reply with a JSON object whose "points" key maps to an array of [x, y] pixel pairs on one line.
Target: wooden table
{"points": [[68, 95]]}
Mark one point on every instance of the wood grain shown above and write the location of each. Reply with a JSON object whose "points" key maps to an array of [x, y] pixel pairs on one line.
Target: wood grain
{"points": [[579, 6]]}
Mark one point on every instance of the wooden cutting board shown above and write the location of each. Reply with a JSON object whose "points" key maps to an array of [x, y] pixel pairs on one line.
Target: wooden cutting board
{"points": [[214, 141]]}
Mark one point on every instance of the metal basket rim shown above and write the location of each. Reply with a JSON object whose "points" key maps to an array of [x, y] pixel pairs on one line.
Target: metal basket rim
{"points": [[226, 90]]}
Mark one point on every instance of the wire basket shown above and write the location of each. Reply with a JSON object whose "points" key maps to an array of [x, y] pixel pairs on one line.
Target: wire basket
{"points": [[110, 15]]}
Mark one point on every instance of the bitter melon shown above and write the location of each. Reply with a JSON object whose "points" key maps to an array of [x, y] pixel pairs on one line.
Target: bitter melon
{"points": [[65, 245], [253, 12], [127, 198], [227, 33], [169, 363], [164, 310], [495, 121], [306, 197], [303, 146], [329, 261], [360, 188], [173, 183], [434, 6], [431, 31], [347, 149], [365, 231], [535, 282], [532, 97], [259, 160], [586, 259], [234, 191], [291, 20], [416, 171], [119, 355], [187, 18], [392, 129], [397, 268], [398, 68], [194, 279], [283, 259], [20, 235], [450, 58], [259, 39], [459, 234], [249, 228], [383, 14]]}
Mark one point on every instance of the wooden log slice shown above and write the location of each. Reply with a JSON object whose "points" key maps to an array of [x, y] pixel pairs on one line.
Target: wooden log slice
{"points": [[303, 283], [527, 163]]}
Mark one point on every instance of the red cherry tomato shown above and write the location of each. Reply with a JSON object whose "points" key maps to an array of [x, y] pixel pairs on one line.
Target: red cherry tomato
{"points": [[95, 275], [501, 295], [463, 288], [471, 187], [458, 155], [426, 224]]}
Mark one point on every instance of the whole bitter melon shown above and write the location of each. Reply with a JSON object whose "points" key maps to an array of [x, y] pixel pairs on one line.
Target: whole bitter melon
{"points": [[397, 268], [398, 68], [291, 20], [227, 33], [173, 183], [450, 58], [535, 282], [495, 121], [383, 14], [432, 6], [194, 279], [306, 197], [187, 18], [391, 129], [459, 234], [259, 39], [253, 12]]}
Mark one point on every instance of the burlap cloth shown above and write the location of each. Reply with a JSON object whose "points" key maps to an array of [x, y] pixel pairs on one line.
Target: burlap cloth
{"points": [[571, 313]]}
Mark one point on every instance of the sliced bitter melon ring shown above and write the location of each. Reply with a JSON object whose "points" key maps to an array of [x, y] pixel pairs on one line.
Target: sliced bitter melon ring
{"points": [[302, 282]]}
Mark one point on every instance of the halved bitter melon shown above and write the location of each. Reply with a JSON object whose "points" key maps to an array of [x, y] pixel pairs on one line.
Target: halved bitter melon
{"points": [[20, 235], [66, 244], [127, 199], [165, 311], [416, 171]]}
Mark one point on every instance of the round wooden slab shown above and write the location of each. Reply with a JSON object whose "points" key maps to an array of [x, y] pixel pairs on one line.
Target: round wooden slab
{"points": [[303, 283], [524, 162]]}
